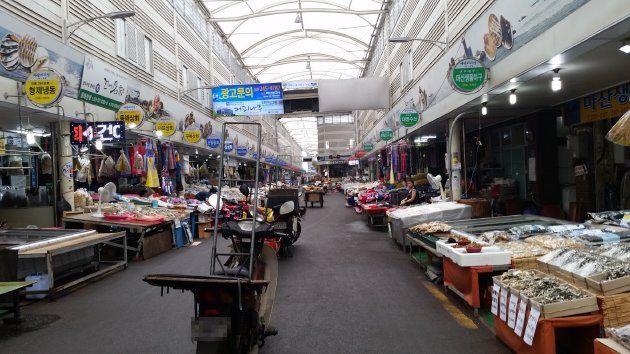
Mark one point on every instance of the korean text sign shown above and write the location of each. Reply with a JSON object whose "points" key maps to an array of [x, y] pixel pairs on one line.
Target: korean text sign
{"points": [[246, 100]]}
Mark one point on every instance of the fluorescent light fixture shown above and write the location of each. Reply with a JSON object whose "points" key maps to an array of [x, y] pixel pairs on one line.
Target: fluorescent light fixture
{"points": [[513, 96], [513, 80], [484, 109], [30, 137], [400, 39], [557, 60], [98, 144], [556, 83], [625, 47]]}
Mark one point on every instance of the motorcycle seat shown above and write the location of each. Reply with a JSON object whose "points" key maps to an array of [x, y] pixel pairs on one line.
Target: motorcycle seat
{"points": [[233, 272]]}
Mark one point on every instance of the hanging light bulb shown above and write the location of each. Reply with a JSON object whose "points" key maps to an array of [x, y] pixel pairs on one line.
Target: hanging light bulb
{"points": [[556, 83], [83, 149], [132, 125], [484, 109], [30, 137], [158, 133], [98, 144], [512, 96]]}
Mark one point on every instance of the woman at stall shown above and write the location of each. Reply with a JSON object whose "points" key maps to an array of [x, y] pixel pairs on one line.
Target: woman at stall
{"points": [[412, 197]]}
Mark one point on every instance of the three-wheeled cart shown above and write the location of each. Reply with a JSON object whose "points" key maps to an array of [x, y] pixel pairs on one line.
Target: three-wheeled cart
{"points": [[314, 197]]}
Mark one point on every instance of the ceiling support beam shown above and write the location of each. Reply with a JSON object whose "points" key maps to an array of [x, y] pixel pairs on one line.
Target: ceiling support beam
{"points": [[296, 11]]}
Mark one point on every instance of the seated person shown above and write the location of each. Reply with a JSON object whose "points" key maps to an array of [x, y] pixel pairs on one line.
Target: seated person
{"points": [[412, 197]]}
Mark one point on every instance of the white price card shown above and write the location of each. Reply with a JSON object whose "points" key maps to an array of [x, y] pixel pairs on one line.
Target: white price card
{"points": [[520, 319], [532, 323], [495, 299], [503, 304], [512, 310]]}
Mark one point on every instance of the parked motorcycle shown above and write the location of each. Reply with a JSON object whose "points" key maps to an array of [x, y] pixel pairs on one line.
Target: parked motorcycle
{"points": [[233, 306], [285, 213]]}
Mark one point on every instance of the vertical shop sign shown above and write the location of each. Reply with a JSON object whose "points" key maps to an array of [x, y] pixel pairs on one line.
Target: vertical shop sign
{"points": [[102, 85], [468, 75], [44, 88], [409, 117]]}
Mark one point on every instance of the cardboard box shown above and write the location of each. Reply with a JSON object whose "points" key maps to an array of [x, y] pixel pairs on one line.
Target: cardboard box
{"points": [[157, 243], [600, 285]]}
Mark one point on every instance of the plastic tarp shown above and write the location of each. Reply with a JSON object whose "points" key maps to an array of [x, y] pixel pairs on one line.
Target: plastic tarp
{"points": [[443, 211]]}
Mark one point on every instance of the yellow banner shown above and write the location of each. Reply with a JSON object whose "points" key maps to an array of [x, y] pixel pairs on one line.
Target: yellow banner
{"points": [[192, 136], [166, 127], [610, 103], [43, 87]]}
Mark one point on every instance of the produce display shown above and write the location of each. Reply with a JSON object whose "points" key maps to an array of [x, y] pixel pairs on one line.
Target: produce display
{"points": [[608, 217], [493, 237], [541, 288], [620, 251], [523, 250]]}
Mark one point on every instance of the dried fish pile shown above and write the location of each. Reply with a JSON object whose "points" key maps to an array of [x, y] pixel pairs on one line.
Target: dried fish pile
{"points": [[553, 242], [543, 289], [493, 237], [621, 335], [430, 227], [621, 251], [586, 264], [523, 250]]}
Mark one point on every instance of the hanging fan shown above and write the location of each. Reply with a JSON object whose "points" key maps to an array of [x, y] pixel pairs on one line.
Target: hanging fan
{"points": [[105, 195]]}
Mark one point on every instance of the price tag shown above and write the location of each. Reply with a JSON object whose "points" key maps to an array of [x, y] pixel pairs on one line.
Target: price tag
{"points": [[178, 223], [503, 304], [512, 311], [495, 299], [520, 319], [532, 323]]}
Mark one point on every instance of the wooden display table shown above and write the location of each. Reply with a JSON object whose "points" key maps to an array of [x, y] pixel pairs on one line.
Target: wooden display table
{"points": [[573, 334], [13, 288], [155, 237], [376, 215], [609, 346]]}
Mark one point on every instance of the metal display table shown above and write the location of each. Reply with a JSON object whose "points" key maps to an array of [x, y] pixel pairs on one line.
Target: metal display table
{"points": [[52, 250]]}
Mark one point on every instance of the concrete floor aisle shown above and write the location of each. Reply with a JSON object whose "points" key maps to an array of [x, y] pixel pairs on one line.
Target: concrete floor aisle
{"points": [[347, 289]]}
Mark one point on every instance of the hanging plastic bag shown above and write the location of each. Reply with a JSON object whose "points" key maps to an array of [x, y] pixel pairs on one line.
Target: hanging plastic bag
{"points": [[138, 162], [122, 164], [107, 168], [46, 164], [153, 181], [620, 132], [84, 170]]}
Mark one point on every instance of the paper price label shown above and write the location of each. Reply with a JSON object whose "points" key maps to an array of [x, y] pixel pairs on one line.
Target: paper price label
{"points": [[520, 319], [503, 304], [512, 311], [532, 323], [495, 299]]}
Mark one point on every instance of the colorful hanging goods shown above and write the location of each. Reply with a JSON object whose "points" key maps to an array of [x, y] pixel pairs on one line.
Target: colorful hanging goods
{"points": [[122, 164], [153, 181], [107, 168]]}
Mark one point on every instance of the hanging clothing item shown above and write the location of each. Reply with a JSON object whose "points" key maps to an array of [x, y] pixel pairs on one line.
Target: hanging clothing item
{"points": [[138, 162], [153, 180]]}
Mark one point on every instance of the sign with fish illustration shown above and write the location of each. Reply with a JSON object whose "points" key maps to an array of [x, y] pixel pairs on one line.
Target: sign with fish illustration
{"points": [[25, 50]]}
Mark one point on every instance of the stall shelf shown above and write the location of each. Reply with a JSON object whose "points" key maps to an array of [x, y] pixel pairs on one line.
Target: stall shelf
{"points": [[155, 236], [49, 251], [400, 220], [609, 346]]}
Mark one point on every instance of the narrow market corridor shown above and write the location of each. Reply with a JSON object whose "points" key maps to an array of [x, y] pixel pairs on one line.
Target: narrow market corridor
{"points": [[347, 289]]}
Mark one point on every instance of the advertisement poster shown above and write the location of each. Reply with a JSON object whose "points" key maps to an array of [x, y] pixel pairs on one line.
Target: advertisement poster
{"points": [[102, 85], [24, 49], [248, 100]]}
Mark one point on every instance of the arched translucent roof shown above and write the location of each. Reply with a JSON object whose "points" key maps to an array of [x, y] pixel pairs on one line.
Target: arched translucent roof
{"points": [[282, 40]]}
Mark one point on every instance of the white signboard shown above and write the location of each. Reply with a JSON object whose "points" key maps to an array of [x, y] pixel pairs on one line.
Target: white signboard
{"points": [[520, 319], [495, 299], [102, 85], [532, 323]]}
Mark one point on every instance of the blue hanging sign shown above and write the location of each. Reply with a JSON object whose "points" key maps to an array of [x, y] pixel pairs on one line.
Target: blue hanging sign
{"points": [[213, 142], [254, 155], [248, 100], [241, 151], [228, 146], [269, 159]]}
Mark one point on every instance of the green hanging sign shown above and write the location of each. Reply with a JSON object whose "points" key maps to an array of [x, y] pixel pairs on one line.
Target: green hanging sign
{"points": [[368, 147], [386, 134], [468, 75], [409, 117]]}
